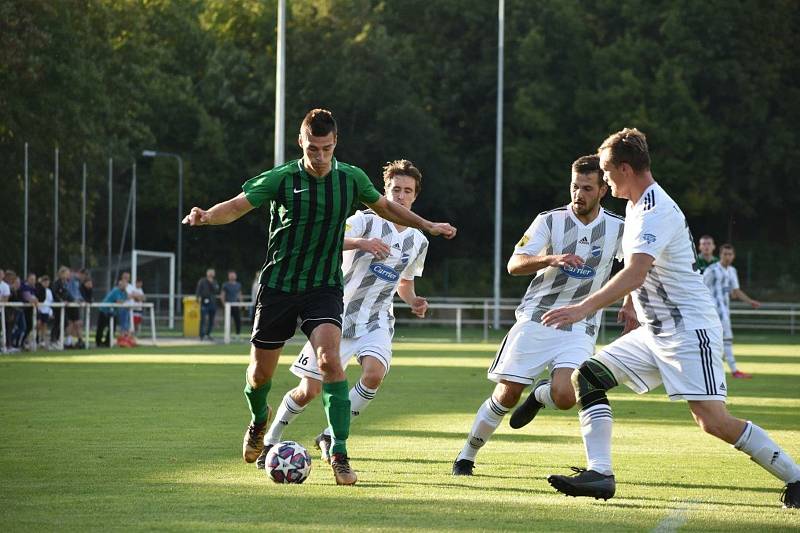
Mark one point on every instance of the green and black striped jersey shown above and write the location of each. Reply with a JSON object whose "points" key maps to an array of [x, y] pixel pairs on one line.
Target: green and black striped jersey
{"points": [[307, 220]]}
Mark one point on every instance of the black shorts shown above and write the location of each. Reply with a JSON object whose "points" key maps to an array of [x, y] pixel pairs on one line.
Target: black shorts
{"points": [[277, 314], [73, 314]]}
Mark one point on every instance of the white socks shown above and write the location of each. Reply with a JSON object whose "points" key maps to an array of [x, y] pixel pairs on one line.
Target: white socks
{"points": [[727, 345], [360, 398], [755, 442], [542, 395], [596, 423], [489, 416], [287, 412]]}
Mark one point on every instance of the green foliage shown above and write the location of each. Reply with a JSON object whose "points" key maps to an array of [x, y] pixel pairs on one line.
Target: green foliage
{"points": [[715, 91]]}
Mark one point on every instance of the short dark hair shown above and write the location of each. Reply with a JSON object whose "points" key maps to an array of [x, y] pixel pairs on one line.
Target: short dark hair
{"points": [[319, 123], [628, 146], [587, 164], [402, 167], [706, 236], [727, 246]]}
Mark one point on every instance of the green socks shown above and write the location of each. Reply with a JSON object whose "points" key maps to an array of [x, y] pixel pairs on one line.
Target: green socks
{"points": [[257, 400], [336, 399]]}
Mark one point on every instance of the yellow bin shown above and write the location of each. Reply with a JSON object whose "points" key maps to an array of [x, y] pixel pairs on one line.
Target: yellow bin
{"points": [[191, 317]]}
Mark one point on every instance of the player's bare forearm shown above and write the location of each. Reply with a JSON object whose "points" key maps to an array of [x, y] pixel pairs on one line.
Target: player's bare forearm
{"points": [[524, 265], [222, 213], [739, 294], [350, 244], [406, 291], [628, 279], [394, 212]]}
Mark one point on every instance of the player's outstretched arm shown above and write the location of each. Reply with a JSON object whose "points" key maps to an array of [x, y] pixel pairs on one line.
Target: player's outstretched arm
{"points": [[222, 213], [406, 291], [739, 294], [398, 214], [628, 279]]}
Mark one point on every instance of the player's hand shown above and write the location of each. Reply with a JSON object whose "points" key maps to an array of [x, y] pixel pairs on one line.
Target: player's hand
{"points": [[442, 228], [755, 304], [563, 316], [196, 217], [419, 306], [375, 246], [566, 260], [627, 317]]}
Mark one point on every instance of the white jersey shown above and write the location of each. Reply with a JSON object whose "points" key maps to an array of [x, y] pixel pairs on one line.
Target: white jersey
{"points": [[560, 232], [673, 297], [721, 281], [370, 283]]}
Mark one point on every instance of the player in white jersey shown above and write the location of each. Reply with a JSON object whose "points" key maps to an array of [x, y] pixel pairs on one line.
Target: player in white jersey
{"points": [[571, 250], [679, 343], [380, 258], [723, 281]]}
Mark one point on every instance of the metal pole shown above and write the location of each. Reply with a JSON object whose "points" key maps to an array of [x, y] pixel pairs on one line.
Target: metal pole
{"points": [[83, 219], [110, 206], [55, 215], [177, 276], [133, 210], [280, 84], [498, 164], [25, 246]]}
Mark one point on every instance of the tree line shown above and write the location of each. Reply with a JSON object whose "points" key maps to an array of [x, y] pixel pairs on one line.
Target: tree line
{"points": [[714, 84]]}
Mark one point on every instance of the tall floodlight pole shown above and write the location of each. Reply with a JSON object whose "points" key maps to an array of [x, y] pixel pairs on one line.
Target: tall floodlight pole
{"points": [[55, 214], [83, 219], [25, 216], [498, 163], [133, 212], [156, 153], [280, 84], [110, 206]]}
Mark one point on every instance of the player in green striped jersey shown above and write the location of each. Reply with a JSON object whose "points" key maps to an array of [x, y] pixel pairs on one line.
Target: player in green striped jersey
{"points": [[309, 202]]}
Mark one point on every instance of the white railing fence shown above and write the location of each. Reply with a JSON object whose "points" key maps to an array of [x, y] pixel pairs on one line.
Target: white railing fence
{"points": [[85, 310], [478, 312]]}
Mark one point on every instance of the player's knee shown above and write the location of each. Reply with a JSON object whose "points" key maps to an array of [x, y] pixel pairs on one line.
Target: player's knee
{"points": [[591, 380], [563, 397], [507, 393], [257, 374], [372, 378], [304, 393]]}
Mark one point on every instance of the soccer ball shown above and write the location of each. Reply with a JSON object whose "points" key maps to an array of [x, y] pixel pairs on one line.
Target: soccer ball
{"points": [[288, 462]]}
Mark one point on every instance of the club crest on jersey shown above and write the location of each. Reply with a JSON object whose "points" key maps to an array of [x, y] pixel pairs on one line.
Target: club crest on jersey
{"points": [[384, 272], [649, 237], [405, 258], [581, 272], [596, 251]]}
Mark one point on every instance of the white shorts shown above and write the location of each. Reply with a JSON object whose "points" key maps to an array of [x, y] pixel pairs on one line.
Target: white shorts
{"points": [[530, 347], [377, 344], [688, 363]]}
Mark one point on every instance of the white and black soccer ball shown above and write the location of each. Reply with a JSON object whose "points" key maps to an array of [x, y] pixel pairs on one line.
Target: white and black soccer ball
{"points": [[288, 462]]}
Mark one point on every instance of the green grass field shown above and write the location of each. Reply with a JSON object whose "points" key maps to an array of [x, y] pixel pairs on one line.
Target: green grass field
{"points": [[150, 439]]}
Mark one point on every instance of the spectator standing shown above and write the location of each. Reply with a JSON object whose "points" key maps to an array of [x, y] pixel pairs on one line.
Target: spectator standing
{"points": [[115, 295], [232, 292], [44, 313], [61, 294], [27, 292], [706, 257], [5, 290], [16, 315], [207, 291], [137, 294], [75, 324]]}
